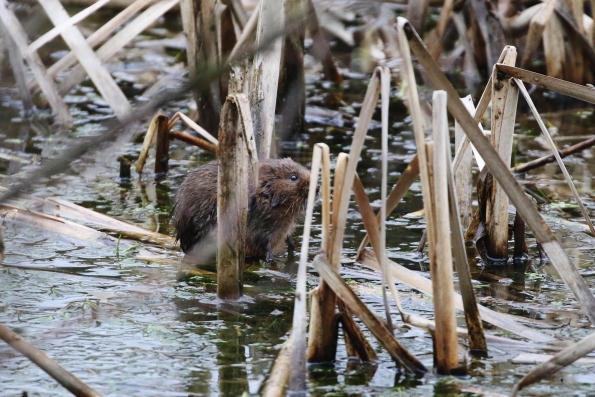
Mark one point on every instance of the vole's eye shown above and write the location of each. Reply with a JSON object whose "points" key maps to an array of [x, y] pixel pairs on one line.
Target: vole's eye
{"points": [[293, 177]]}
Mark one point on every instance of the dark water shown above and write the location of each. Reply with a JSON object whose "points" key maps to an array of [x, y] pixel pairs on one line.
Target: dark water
{"points": [[130, 326]]}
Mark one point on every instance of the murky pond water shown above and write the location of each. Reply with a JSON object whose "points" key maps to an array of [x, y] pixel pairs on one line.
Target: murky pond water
{"points": [[133, 327]]}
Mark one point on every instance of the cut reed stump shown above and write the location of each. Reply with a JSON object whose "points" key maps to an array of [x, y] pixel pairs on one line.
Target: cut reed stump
{"points": [[504, 102], [232, 197], [162, 147]]}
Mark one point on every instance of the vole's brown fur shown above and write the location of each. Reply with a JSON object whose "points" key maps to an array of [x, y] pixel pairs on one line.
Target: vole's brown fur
{"points": [[276, 204]]}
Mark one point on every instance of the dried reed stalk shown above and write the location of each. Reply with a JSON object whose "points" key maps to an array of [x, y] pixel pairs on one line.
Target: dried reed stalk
{"points": [[419, 282], [501, 173], [482, 106], [396, 194], [321, 344], [556, 363], [504, 102], [118, 41], [556, 154], [298, 335], [567, 151], [102, 79], [232, 197], [477, 342], [98, 36], [462, 176], [584, 93], [49, 366], [553, 47], [408, 77], [323, 299], [15, 29], [51, 223], [446, 342], [385, 99], [58, 29], [190, 123], [162, 146], [536, 29], [192, 140], [18, 68], [276, 383], [265, 75], [144, 151], [397, 352]]}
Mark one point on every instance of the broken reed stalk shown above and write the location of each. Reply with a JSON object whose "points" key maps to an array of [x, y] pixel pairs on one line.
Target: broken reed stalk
{"points": [[144, 152], [385, 99], [556, 154], [51, 223], [232, 197], [238, 11], [551, 158], [98, 36], [353, 335], [446, 342], [398, 353], [556, 363], [408, 77], [463, 175], [298, 334], [118, 129], [482, 106], [320, 47], [162, 144], [58, 29], [541, 230], [192, 140], [190, 123], [101, 78], [248, 33], [536, 30], [477, 342], [375, 233], [371, 225], [162, 147], [421, 283], [504, 103], [321, 347], [18, 68], [19, 36], [325, 296], [584, 93], [396, 194], [276, 383], [115, 43], [265, 75], [49, 366]]}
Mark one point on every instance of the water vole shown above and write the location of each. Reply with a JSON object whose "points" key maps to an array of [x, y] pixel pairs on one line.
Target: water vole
{"points": [[276, 204]]}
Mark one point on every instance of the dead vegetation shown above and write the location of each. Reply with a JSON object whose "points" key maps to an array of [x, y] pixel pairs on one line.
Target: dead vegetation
{"points": [[264, 53]]}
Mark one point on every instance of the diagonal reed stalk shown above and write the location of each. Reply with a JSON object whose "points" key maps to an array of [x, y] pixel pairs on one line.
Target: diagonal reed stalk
{"points": [[541, 230], [556, 363], [556, 154], [61, 375]]}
